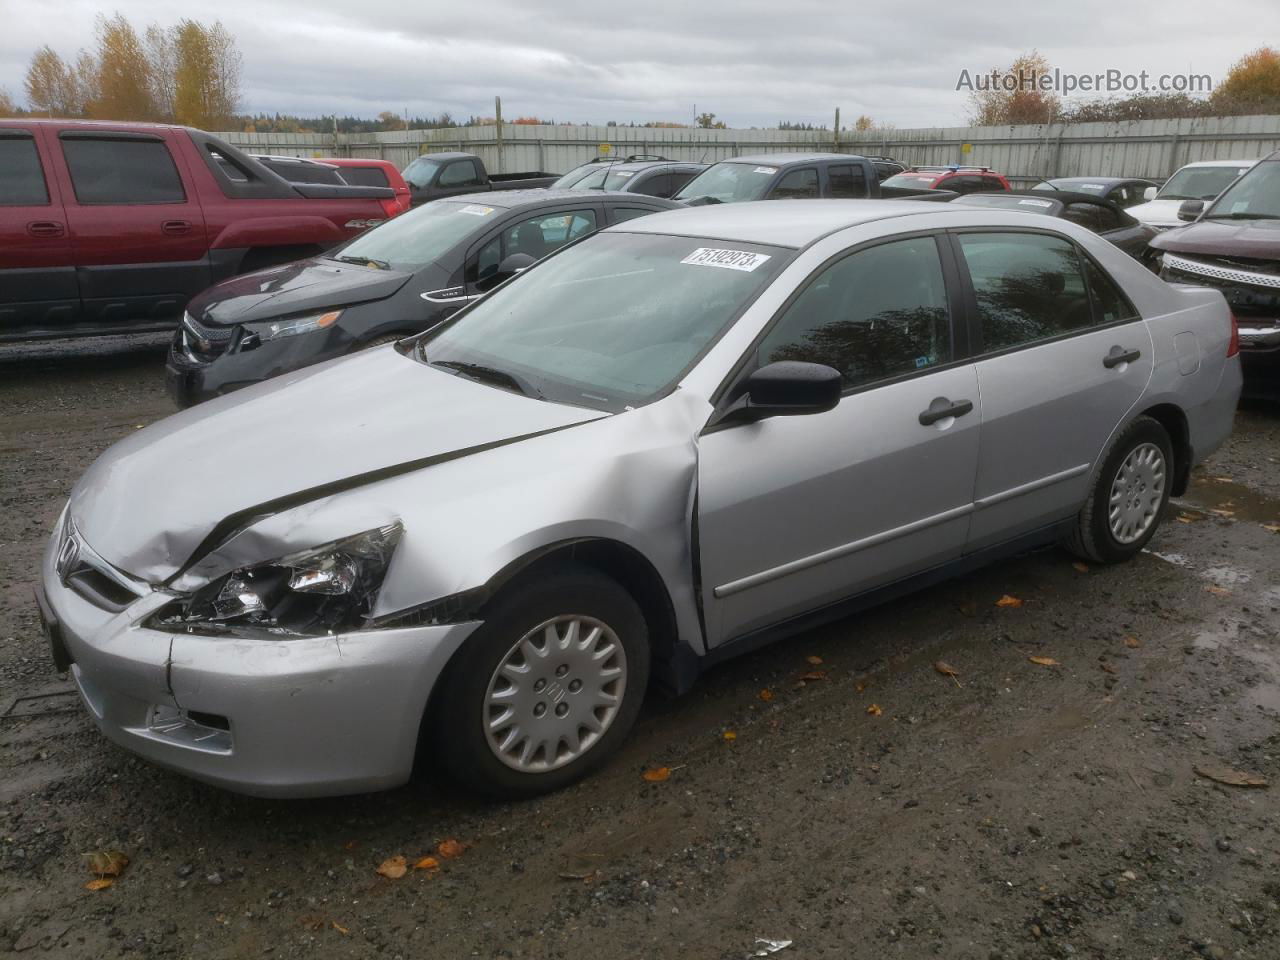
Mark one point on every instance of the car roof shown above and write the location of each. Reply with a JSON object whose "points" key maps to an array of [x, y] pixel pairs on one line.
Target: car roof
{"points": [[1105, 181], [778, 223], [646, 164], [1220, 163], [356, 162], [444, 155], [510, 199], [782, 159], [1066, 196]]}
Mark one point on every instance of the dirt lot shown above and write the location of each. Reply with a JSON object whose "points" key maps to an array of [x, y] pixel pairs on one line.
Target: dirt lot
{"points": [[1017, 810]]}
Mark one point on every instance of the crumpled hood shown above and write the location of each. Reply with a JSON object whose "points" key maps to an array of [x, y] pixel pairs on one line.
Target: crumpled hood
{"points": [[293, 288], [148, 502], [1159, 212], [1256, 239]]}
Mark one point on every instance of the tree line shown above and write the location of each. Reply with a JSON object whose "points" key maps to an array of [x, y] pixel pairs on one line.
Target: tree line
{"points": [[1251, 86], [186, 73]]}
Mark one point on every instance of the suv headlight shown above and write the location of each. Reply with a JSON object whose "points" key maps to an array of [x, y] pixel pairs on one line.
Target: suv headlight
{"points": [[327, 589], [292, 326]]}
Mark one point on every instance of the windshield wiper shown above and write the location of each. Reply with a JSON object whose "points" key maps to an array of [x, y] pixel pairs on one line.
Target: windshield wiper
{"points": [[364, 262], [1241, 215], [485, 374]]}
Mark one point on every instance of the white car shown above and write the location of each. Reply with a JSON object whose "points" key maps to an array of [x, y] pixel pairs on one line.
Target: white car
{"points": [[1203, 180]]}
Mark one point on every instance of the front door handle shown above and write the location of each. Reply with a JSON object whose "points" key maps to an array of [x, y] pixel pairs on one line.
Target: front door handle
{"points": [[941, 408], [1119, 355], [176, 227], [45, 228]]}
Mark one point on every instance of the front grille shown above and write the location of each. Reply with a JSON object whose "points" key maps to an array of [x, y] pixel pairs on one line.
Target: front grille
{"points": [[1217, 271], [203, 342], [81, 569], [1252, 296]]}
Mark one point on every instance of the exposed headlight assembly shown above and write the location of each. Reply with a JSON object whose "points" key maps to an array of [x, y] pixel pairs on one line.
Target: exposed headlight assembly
{"points": [[292, 326], [327, 589]]}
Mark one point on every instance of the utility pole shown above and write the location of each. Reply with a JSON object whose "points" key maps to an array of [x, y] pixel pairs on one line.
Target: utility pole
{"points": [[497, 112], [835, 139]]}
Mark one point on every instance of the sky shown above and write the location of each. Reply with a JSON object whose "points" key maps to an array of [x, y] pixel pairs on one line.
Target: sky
{"points": [[750, 62]]}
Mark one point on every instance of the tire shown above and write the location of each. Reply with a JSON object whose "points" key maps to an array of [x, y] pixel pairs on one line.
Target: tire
{"points": [[379, 341], [1143, 451], [517, 619]]}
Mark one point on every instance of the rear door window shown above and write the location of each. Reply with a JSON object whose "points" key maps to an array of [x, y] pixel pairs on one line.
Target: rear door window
{"points": [[364, 176], [21, 177], [537, 237], [848, 182], [106, 171], [460, 173], [797, 185], [656, 185], [1109, 304]]}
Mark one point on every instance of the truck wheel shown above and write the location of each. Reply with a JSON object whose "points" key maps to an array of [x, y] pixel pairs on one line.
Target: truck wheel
{"points": [[1129, 495], [546, 689]]}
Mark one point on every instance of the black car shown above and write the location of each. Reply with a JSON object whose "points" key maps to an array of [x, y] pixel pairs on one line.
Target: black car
{"points": [[595, 164], [1124, 192], [392, 281], [886, 167], [1101, 216], [653, 178]]}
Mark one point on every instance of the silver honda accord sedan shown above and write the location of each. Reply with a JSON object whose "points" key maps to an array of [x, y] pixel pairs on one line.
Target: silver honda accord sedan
{"points": [[662, 446]]}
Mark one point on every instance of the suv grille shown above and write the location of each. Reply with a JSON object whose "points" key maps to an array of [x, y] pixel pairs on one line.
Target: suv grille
{"points": [[1251, 294], [202, 342]]}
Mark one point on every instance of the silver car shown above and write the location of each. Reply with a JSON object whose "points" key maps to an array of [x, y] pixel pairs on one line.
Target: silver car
{"points": [[665, 444]]}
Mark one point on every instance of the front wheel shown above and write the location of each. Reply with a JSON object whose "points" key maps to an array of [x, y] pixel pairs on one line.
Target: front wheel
{"points": [[1128, 497], [546, 689]]}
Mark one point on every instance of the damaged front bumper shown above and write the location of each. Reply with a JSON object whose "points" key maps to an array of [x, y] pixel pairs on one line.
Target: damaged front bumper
{"points": [[309, 716]]}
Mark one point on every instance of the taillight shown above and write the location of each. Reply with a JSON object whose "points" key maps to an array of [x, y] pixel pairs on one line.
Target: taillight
{"points": [[1233, 345], [390, 207]]}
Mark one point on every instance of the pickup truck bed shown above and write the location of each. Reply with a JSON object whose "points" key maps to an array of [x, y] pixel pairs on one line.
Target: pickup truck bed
{"points": [[113, 227]]}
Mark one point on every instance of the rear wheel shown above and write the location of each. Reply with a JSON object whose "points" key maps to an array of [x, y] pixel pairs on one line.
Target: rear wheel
{"points": [[546, 689], [1129, 495]]}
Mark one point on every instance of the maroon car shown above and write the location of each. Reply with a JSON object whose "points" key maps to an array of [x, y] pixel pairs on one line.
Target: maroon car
{"points": [[1233, 244], [113, 227]]}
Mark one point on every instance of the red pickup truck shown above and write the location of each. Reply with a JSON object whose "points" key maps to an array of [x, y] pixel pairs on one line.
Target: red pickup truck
{"points": [[113, 227]]}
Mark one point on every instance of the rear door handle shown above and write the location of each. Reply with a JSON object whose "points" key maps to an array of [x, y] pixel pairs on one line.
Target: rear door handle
{"points": [[941, 408], [176, 227], [45, 228], [1119, 355]]}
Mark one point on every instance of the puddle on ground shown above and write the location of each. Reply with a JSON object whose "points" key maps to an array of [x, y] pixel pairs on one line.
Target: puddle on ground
{"points": [[1248, 645], [1225, 498], [1225, 576], [1177, 559]]}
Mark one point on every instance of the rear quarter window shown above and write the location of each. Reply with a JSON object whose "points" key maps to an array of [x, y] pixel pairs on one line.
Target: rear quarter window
{"points": [[364, 176]]}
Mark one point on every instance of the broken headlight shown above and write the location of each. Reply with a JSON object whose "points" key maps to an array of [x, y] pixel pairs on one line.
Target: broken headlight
{"points": [[327, 589]]}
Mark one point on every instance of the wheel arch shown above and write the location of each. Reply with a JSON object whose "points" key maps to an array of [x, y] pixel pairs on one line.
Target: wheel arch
{"points": [[1174, 420]]}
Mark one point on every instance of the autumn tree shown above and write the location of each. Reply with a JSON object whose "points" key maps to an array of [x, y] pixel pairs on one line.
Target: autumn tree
{"points": [[206, 89], [1253, 79], [7, 107], [53, 87], [123, 88], [162, 55], [1014, 95], [863, 124], [708, 121]]}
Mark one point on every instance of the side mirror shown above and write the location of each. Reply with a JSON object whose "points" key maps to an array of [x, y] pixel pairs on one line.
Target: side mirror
{"points": [[514, 264], [787, 388], [1190, 210], [1149, 194]]}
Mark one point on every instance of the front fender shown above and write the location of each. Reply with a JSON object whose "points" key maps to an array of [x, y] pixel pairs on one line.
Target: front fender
{"points": [[279, 231]]}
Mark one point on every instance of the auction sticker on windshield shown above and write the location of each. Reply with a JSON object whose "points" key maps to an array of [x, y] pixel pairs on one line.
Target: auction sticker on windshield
{"points": [[1034, 203], [769, 170], [730, 259], [476, 210]]}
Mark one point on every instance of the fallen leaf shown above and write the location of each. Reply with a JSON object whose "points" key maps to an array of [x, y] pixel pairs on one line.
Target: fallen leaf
{"points": [[766, 695], [874, 710], [427, 863], [814, 661], [393, 868], [1044, 661], [1107, 667], [657, 774], [1271, 527], [1009, 601], [1082, 567], [813, 675], [1222, 479], [1222, 513], [860, 686], [450, 848], [107, 863], [730, 735], [946, 669], [1186, 518], [1132, 642], [1232, 778], [99, 883], [340, 928], [1219, 591]]}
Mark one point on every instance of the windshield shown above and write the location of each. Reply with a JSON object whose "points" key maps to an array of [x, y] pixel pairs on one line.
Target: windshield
{"points": [[420, 172], [730, 182], [575, 176], [1255, 196], [911, 180], [609, 323], [412, 240], [1198, 183]]}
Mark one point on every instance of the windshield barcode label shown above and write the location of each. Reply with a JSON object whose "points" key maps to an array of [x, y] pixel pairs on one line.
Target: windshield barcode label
{"points": [[730, 259], [476, 210]]}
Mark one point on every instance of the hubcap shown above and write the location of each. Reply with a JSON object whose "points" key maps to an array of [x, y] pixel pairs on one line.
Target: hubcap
{"points": [[1136, 493], [555, 693]]}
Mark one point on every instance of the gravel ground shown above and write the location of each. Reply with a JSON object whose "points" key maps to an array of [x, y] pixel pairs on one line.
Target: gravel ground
{"points": [[883, 810]]}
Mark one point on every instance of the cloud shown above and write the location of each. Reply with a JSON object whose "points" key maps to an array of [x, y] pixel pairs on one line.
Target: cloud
{"points": [[752, 62]]}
